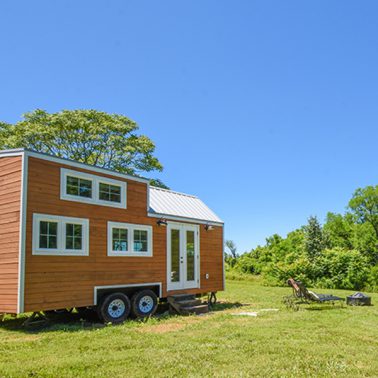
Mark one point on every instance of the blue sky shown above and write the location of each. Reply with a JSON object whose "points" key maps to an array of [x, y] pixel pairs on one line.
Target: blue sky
{"points": [[267, 110]]}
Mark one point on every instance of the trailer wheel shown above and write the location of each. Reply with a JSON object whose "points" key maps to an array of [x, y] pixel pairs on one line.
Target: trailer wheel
{"points": [[114, 308], [143, 303]]}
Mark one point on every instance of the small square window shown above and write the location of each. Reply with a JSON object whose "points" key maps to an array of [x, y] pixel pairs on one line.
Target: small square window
{"points": [[140, 241], [79, 187], [109, 192], [119, 239], [48, 235], [74, 236]]}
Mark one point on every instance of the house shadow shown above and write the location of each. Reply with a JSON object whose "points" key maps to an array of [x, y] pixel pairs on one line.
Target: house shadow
{"points": [[74, 322], [68, 322]]}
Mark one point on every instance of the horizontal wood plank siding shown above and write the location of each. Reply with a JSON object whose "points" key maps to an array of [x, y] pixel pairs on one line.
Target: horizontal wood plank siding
{"points": [[10, 205], [68, 281]]}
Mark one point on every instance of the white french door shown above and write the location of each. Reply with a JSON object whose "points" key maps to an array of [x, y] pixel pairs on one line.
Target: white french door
{"points": [[182, 256]]}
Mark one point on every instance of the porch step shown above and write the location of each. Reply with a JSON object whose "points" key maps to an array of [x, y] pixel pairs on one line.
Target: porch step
{"points": [[186, 304], [199, 309], [189, 302]]}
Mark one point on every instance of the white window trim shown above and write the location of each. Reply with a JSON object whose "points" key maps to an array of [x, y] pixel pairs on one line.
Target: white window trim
{"points": [[130, 239], [61, 240], [96, 180]]}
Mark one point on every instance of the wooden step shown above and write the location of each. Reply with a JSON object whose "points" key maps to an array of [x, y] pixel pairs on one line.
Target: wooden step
{"points": [[189, 302], [199, 309], [186, 304]]}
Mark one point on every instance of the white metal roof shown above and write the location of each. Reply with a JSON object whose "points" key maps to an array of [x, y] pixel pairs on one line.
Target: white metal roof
{"points": [[168, 203]]}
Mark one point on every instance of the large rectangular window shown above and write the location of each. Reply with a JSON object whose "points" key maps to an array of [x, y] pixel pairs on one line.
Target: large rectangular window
{"points": [[84, 187], [126, 239], [63, 236]]}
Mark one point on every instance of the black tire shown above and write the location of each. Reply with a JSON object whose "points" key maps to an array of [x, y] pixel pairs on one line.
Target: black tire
{"points": [[114, 308], [143, 303]]}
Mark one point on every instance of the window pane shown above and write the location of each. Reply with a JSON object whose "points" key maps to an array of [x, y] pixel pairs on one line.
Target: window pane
{"points": [[72, 186], [69, 229], [85, 188], [78, 230], [43, 228], [123, 234], [175, 255], [42, 241], [77, 243], [190, 255], [74, 181], [115, 198], [52, 242], [115, 189], [116, 233], [69, 242], [53, 228]]}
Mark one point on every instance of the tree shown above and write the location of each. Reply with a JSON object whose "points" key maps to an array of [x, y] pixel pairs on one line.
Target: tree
{"points": [[364, 206], [314, 241], [89, 136], [231, 246]]}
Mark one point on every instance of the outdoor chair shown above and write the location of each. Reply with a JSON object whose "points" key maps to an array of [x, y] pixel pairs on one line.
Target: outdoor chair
{"points": [[301, 295]]}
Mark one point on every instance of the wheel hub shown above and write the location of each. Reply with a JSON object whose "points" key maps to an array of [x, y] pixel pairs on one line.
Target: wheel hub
{"points": [[146, 304], [116, 308]]}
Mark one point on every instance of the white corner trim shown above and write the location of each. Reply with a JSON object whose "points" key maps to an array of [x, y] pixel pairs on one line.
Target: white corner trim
{"points": [[22, 231], [96, 180], [96, 288], [130, 227], [61, 236]]}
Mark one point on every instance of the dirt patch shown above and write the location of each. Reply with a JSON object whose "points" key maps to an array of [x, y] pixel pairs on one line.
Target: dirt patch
{"points": [[163, 328]]}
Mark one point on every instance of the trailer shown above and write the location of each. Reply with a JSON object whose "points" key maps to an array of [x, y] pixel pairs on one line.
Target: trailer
{"points": [[79, 236]]}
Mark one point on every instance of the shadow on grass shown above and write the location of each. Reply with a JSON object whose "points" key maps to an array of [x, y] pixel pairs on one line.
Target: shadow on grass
{"points": [[220, 306], [67, 322]]}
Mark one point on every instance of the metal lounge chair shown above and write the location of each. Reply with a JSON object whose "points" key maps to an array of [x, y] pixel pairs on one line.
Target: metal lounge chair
{"points": [[301, 295]]}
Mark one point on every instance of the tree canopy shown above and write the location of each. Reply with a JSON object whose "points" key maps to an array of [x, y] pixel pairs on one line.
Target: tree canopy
{"points": [[89, 136]]}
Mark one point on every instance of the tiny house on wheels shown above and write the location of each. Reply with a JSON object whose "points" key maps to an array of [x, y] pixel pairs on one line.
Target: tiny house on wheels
{"points": [[79, 236]]}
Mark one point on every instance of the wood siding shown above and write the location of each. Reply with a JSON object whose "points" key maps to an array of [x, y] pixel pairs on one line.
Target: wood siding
{"points": [[68, 281], [10, 205]]}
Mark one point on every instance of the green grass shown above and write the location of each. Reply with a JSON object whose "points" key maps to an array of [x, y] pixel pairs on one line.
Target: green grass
{"points": [[313, 342]]}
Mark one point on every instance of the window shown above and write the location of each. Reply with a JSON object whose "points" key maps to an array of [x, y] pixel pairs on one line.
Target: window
{"points": [[83, 187], [63, 236], [126, 239], [140, 241], [74, 236], [120, 239], [79, 187], [110, 193], [48, 234]]}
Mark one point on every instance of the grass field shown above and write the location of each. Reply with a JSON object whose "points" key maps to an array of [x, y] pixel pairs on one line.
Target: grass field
{"points": [[313, 342]]}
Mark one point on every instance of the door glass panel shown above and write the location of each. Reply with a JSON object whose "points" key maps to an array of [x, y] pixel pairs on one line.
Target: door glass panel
{"points": [[175, 255], [190, 256]]}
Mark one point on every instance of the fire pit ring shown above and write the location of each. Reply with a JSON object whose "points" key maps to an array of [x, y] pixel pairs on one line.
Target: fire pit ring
{"points": [[358, 299]]}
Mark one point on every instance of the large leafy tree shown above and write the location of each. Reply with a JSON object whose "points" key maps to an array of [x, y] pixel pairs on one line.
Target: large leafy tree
{"points": [[364, 206], [89, 136]]}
